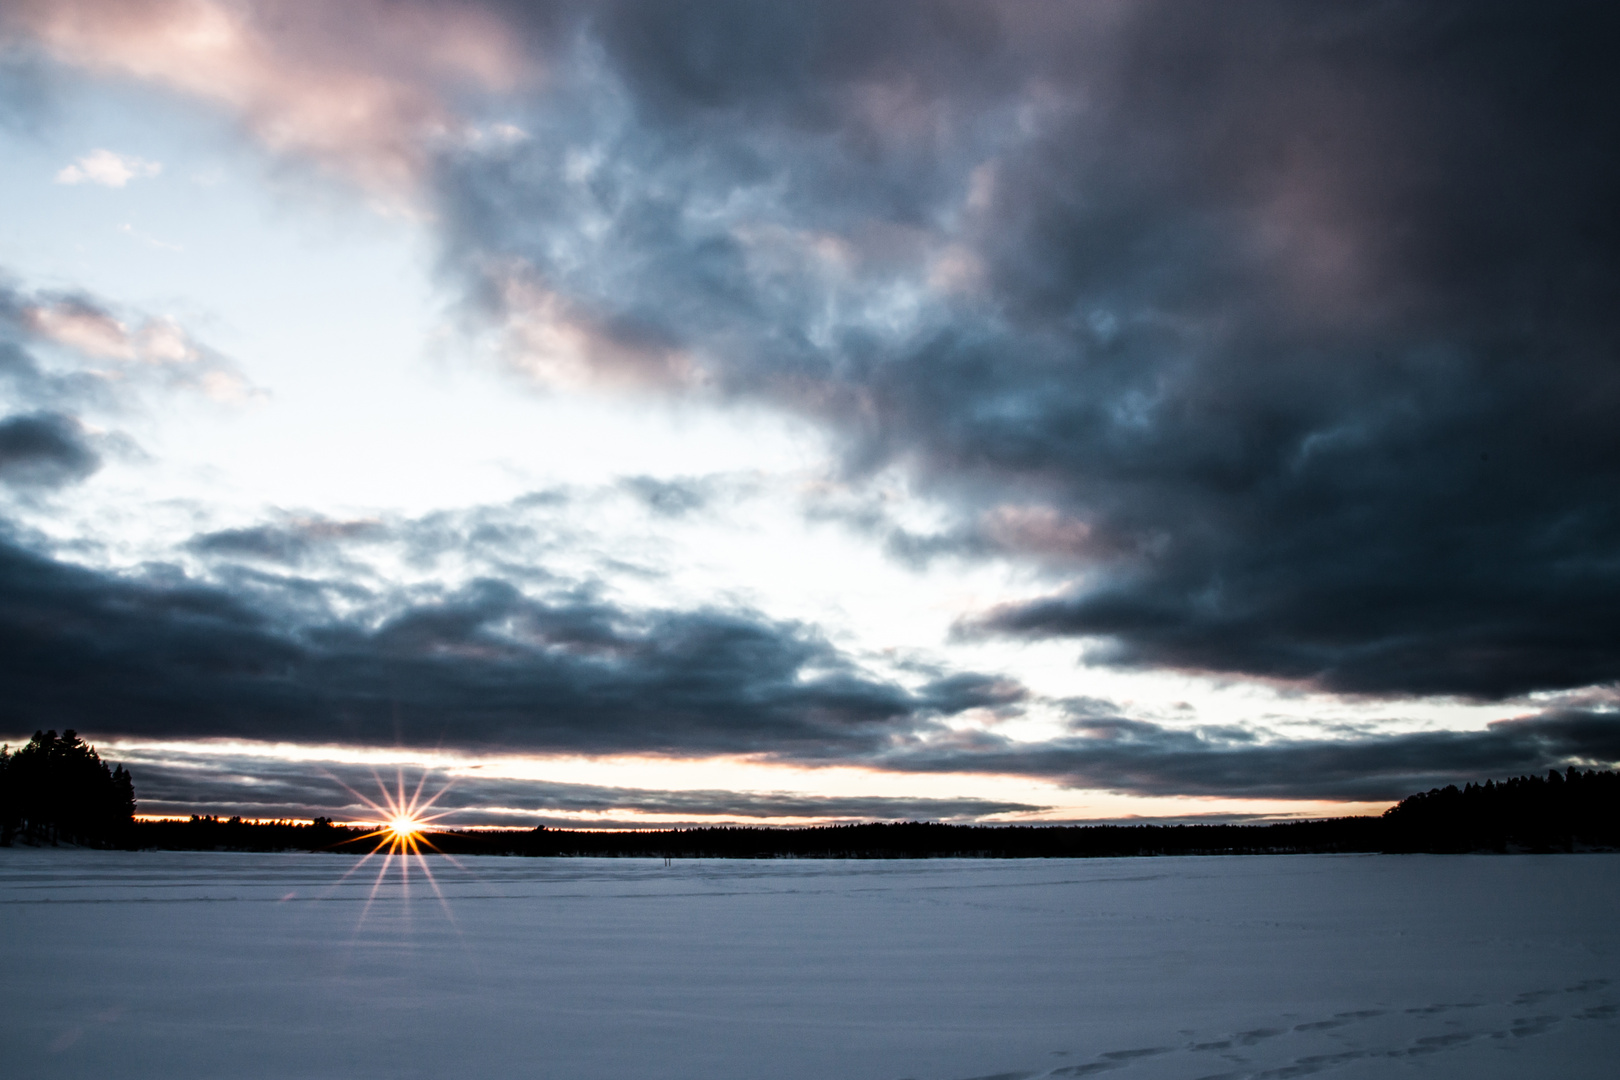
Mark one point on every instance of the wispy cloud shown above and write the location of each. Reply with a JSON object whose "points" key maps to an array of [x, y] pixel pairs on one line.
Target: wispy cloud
{"points": [[147, 239]]}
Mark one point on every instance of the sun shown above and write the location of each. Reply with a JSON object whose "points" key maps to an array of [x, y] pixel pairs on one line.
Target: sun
{"points": [[402, 822], [400, 836]]}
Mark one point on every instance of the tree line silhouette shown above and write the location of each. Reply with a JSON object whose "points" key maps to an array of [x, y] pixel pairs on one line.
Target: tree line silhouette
{"points": [[1558, 812], [1567, 811], [57, 789]]}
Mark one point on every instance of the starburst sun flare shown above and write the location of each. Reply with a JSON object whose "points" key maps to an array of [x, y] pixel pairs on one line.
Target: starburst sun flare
{"points": [[402, 820], [399, 829]]}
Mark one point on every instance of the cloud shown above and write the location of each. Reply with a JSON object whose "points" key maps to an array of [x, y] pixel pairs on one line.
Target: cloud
{"points": [[150, 241], [1138, 757], [363, 89], [283, 658], [85, 326], [140, 347], [488, 667], [1283, 333], [45, 450], [226, 784], [562, 344], [480, 666], [107, 169], [293, 543], [550, 537], [670, 498], [280, 658]]}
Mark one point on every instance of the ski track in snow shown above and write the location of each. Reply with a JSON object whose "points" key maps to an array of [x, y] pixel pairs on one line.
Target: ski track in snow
{"points": [[219, 964]]}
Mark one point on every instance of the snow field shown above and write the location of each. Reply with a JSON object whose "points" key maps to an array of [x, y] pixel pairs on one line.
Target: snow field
{"points": [[181, 964]]}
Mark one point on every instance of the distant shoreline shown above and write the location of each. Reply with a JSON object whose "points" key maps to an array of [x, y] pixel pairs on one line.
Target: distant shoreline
{"points": [[897, 840], [1561, 812]]}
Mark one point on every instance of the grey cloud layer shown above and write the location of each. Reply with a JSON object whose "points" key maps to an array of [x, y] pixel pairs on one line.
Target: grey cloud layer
{"points": [[1297, 323], [484, 665], [1143, 758], [256, 787]]}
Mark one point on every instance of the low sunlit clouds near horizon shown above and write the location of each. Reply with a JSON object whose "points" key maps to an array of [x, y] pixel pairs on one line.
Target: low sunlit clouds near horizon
{"points": [[643, 414]]}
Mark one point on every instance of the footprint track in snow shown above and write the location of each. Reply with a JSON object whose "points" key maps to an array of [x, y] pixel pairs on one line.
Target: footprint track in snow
{"points": [[1239, 1051]]}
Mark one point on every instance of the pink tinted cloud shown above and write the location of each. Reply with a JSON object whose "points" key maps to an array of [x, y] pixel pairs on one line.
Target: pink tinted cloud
{"points": [[361, 87], [562, 345], [157, 344]]}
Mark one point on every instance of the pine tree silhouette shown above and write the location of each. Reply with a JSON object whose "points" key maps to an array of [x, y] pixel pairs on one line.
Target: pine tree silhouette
{"points": [[57, 789]]}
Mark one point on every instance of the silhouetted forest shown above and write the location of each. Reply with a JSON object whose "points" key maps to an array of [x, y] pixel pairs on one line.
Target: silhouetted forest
{"points": [[57, 789], [924, 840], [1567, 811], [208, 833], [1559, 812], [894, 840]]}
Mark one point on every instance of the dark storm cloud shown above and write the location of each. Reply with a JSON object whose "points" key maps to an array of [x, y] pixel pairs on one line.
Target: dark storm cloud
{"points": [[258, 787], [1143, 758], [1295, 326], [44, 450], [166, 655]]}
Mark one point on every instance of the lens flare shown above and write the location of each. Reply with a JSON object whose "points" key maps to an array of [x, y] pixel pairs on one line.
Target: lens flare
{"points": [[399, 833]]}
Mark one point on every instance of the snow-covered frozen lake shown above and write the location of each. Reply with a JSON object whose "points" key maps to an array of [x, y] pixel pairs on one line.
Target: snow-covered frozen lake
{"points": [[196, 965]]}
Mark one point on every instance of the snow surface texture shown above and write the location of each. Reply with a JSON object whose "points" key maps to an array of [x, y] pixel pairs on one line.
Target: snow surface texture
{"points": [[203, 965]]}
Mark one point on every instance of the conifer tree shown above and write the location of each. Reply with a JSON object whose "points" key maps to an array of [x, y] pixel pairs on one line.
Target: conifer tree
{"points": [[58, 789]]}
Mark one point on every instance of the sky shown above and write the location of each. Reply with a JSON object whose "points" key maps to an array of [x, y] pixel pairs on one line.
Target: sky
{"points": [[634, 414]]}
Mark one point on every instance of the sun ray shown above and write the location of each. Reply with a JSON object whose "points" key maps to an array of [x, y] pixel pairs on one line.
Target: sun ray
{"points": [[371, 894]]}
